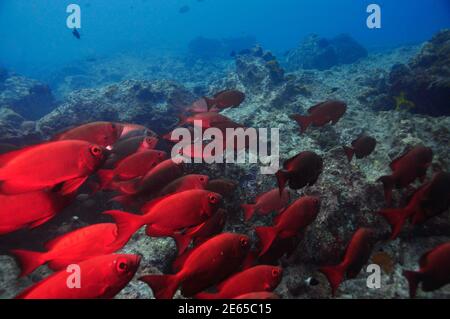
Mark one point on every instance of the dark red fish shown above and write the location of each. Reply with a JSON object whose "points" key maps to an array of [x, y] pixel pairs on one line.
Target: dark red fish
{"points": [[49, 164], [209, 264], [29, 210], [201, 106], [133, 166], [290, 222], [225, 99], [361, 147], [267, 203], [101, 277], [258, 278], [321, 114], [184, 183], [406, 169], [126, 147], [166, 215], [72, 248], [224, 187], [208, 119], [130, 130], [156, 178], [260, 295], [431, 199], [434, 271], [356, 256], [299, 171], [100, 133]]}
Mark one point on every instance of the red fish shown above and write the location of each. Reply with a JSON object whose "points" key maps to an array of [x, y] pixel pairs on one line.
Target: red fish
{"points": [[207, 265], [300, 170], [290, 222], [49, 164], [129, 130], [184, 183], [29, 210], [258, 278], [225, 99], [209, 119], [200, 106], [356, 256], [260, 295], [176, 139], [431, 199], [199, 234], [100, 133], [101, 277], [133, 166], [361, 147], [321, 114], [197, 151], [267, 203], [71, 248], [406, 169], [129, 146], [164, 216], [156, 178], [434, 271], [224, 187]]}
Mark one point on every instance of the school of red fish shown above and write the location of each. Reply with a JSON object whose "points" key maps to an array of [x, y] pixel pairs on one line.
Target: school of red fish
{"points": [[39, 181]]}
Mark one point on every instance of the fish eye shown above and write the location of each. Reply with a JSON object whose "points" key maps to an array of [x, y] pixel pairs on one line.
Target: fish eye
{"points": [[213, 199], [95, 150], [202, 179], [122, 265], [243, 241], [275, 272]]}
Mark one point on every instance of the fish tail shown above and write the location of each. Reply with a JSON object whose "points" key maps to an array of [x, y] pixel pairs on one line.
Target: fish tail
{"points": [[127, 224], [302, 121], [396, 218], [413, 278], [335, 276], [249, 210], [28, 260], [163, 286], [266, 236], [105, 176], [282, 178], [388, 183], [349, 152], [182, 241]]}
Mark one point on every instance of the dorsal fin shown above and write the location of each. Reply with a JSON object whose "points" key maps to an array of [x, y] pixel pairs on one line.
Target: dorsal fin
{"points": [[314, 107]]}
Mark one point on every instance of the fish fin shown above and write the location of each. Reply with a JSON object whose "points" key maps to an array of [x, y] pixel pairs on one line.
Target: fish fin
{"points": [[266, 235], [179, 261], [335, 276], [28, 260], [124, 200], [396, 217], [72, 186], [413, 278], [312, 108], [105, 176], [182, 242], [163, 286], [302, 121], [349, 152], [282, 178], [249, 210], [388, 183], [210, 103], [40, 222], [127, 224]]}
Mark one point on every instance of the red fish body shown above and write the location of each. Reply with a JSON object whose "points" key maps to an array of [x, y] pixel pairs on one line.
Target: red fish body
{"points": [[225, 99], [321, 114], [434, 271], [267, 203], [129, 146], [362, 147], [258, 278], [299, 171], [72, 248], [260, 295], [101, 277], [166, 215], [406, 169], [222, 186], [133, 166], [100, 133], [46, 165], [207, 265], [356, 256], [289, 223], [209, 119], [29, 210], [201, 106], [431, 199], [129, 130], [184, 183]]}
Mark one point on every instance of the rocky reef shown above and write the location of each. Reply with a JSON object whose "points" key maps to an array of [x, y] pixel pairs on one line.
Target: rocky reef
{"points": [[315, 52], [349, 192], [422, 84]]}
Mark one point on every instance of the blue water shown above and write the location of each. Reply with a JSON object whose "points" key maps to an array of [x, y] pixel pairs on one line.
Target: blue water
{"points": [[34, 35]]}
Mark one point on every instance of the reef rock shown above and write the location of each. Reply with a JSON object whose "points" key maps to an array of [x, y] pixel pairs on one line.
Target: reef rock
{"points": [[321, 53]]}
